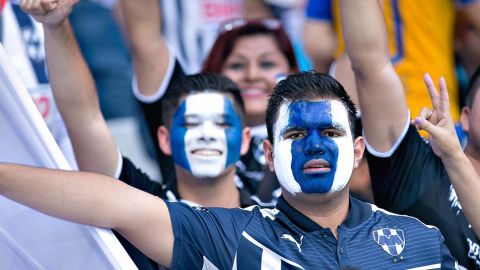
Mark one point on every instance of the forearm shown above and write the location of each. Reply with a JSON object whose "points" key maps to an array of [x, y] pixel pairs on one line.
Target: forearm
{"points": [[466, 182], [321, 51], [380, 91], [365, 34], [76, 97], [95, 200], [142, 21], [63, 194]]}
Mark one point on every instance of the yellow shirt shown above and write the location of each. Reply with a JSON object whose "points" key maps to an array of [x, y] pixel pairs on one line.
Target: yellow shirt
{"points": [[421, 40]]}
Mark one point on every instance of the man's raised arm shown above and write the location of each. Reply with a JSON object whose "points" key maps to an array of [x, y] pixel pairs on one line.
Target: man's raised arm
{"points": [[95, 200], [73, 88], [150, 53], [381, 94]]}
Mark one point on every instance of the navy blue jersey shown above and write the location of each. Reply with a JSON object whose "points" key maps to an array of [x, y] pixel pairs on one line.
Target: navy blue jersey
{"points": [[283, 238], [410, 179], [134, 177]]}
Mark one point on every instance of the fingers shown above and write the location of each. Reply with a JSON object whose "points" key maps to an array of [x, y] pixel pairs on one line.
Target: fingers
{"points": [[432, 91], [445, 100], [38, 7], [424, 124], [49, 5], [428, 114]]}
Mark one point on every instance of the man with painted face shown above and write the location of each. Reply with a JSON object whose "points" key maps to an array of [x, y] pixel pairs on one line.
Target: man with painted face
{"points": [[204, 131], [315, 225]]}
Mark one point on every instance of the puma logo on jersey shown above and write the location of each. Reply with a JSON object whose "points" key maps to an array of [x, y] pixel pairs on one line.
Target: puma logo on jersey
{"points": [[290, 238]]}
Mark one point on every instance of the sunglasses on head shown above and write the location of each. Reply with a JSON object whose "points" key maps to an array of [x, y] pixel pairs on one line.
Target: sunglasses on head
{"points": [[270, 24]]}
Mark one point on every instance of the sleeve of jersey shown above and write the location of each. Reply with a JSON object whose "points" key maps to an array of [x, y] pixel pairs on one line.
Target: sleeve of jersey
{"points": [[448, 261], [206, 238], [319, 10], [152, 109], [402, 176], [136, 178]]}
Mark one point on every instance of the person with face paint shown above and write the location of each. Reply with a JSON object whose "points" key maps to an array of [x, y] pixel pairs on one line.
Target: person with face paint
{"points": [[410, 176], [312, 147], [254, 54], [203, 131]]}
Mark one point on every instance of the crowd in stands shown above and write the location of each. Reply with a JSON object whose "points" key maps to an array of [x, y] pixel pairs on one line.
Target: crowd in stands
{"points": [[258, 134]]}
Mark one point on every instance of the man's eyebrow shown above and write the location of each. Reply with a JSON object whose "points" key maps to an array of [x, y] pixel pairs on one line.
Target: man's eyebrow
{"points": [[338, 126], [200, 116], [292, 128]]}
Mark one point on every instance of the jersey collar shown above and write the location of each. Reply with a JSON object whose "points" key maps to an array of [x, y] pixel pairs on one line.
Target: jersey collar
{"points": [[358, 212]]}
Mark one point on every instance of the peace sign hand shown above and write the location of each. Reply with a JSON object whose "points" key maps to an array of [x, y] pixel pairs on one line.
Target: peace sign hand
{"points": [[438, 121]]}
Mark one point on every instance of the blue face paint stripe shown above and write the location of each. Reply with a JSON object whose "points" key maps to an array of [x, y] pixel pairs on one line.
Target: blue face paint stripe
{"points": [[313, 117], [177, 137], [233, 133]]}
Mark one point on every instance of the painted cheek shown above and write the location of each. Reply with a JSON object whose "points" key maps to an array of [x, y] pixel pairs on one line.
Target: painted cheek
{"points": [[233, 134], [282, 154], [177, 138], [345, 160]]}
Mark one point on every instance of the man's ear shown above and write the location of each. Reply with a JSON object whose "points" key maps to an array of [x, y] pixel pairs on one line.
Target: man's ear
{"points": [[246, 137], [163, 137], [268, 152], [465, 119], [358, 149]]}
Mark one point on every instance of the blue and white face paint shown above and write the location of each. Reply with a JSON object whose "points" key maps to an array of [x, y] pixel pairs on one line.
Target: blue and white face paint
{"points": [[313, 146], [206, 134]]}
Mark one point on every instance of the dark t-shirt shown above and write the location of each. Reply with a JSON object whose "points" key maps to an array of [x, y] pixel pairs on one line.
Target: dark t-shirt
{"points": [[412, 180]]}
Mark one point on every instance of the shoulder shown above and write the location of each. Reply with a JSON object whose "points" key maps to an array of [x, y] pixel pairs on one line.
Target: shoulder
{"points": [[407, 223]]}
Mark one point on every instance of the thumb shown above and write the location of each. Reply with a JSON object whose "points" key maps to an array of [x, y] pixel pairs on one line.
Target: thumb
{"points": [[424, 124], [49, 5]]}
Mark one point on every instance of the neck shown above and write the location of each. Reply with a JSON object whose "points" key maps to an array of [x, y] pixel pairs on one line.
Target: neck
{"points": [[473, 156], [327, 210], [214, 192]]}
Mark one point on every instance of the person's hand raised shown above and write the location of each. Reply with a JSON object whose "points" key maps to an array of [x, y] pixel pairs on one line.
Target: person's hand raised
{"points": [[438, 121], [51, 13]]}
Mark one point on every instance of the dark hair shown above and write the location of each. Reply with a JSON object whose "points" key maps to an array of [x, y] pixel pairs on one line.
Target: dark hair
{"points": [[200, 83], [308, 85], [225, 42], [473, 87]]}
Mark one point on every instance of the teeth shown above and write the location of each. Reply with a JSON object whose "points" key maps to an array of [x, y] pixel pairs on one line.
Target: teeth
{"points": [[207, 152]]}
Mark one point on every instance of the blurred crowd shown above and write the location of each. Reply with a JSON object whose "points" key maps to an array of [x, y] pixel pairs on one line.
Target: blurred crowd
{"points": [[122, 109]]}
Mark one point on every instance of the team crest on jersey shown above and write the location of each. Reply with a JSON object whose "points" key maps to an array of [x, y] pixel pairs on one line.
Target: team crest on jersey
{"points": [[392, 241]]}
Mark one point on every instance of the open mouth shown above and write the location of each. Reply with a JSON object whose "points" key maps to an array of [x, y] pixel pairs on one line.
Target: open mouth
{"points": [[316, 166], [253, 93], [206, 152]]}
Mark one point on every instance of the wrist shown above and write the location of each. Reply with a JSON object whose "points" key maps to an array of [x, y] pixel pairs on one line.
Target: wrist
{"points": [[54, 26]]}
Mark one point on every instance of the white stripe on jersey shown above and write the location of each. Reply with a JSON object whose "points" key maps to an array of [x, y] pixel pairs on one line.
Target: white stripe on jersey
{"points": [[428, 267], [273, 259], [208, 265]]}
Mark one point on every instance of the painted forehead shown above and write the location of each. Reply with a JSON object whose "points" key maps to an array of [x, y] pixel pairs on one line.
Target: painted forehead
{"points": [[313, 114], [206, 105]]}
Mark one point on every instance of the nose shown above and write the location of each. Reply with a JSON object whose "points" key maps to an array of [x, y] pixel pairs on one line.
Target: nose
{"points": [[314, 144], [207, 132], [252, 72]]}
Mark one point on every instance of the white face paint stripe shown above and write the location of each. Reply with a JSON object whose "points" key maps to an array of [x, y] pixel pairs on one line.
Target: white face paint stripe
{"points": [[206, 135], [345, 147], [282, 153]]}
